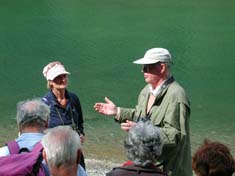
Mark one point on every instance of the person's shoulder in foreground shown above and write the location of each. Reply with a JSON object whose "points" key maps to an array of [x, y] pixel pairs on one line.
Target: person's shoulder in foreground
{"points": [[213, 159]]}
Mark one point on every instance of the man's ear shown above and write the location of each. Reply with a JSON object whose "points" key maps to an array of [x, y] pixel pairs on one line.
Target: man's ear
{"points": [[164, 67], [78, 156], [19, 129], [44, 155]]}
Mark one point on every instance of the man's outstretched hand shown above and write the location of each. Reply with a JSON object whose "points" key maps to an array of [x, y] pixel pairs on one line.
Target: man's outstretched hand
{"points": [[108, 108]]}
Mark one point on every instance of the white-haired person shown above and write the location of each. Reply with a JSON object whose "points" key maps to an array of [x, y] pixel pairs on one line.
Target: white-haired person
{"points": [[31, 117], [62, 151], [143, 147], [165, 103], [65, 106]]}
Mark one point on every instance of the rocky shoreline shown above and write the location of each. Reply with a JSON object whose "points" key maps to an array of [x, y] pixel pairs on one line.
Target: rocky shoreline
{"points": [[96, 167]]}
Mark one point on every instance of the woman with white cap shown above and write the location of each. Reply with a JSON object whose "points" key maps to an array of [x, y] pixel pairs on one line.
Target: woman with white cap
{"points": [[65, 106]]}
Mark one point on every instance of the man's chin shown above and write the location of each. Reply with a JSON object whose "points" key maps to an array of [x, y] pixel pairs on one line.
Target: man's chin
{"points": [[62, 87], [146, 80]]}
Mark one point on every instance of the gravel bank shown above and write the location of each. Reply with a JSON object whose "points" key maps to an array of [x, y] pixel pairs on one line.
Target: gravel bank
{"points": [[99, 167]]}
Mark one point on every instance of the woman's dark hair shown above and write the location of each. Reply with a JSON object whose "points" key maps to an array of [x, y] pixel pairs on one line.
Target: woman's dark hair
{"points": [[213, 159]]}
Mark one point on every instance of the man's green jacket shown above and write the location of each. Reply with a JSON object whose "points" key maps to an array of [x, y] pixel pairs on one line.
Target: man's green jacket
{"points": [[170, 112]]}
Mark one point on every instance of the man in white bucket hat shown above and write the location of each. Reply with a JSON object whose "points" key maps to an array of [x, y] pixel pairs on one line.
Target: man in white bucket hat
{"points": [[164, 102]]}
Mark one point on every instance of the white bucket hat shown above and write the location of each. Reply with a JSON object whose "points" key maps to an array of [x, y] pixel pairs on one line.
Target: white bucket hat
{"points": [[155, 55], [54, 69]]}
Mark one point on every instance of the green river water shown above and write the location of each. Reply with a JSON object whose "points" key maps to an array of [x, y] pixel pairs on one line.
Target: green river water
{"points": [[98, 40]]}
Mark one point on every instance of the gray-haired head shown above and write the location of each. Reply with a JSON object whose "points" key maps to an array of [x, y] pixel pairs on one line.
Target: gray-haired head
{"points": [[32, 112], [61, 145], [144, 143]]}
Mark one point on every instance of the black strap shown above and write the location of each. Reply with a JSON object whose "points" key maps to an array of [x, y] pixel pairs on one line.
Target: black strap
{"points": [[24, 150], [38, 164]]}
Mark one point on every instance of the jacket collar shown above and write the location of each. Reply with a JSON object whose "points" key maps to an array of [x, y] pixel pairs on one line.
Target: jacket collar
{"points": [[159, 91], [54, 99]]}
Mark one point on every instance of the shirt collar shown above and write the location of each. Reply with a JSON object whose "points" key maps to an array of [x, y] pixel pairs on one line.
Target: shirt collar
{"points": [[54, 99], [157, 91]]}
